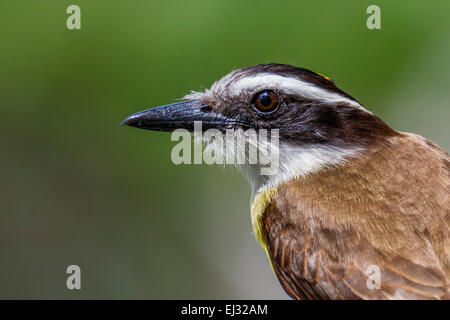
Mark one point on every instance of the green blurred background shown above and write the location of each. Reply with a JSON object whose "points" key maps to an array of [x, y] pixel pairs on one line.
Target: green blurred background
{"points": [[78, 189]]}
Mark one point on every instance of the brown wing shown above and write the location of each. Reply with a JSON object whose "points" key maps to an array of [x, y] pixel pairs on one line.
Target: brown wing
{"points": [[306, 268], [326, 233]]}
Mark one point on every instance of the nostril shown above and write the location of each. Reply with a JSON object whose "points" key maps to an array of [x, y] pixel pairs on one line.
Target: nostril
{"points": [[206, 109]]}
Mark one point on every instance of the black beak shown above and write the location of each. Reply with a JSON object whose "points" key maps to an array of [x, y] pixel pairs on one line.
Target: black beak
{"points": [[181, 115]]}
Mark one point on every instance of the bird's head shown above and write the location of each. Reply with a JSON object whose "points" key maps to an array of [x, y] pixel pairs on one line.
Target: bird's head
{"points": [[318, 124]]}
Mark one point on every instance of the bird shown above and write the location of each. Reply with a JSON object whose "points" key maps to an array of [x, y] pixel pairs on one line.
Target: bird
{"points": [[356, 210]]}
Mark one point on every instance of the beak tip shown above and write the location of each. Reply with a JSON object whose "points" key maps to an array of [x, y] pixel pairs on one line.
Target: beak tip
{"points": [[128, 121]]}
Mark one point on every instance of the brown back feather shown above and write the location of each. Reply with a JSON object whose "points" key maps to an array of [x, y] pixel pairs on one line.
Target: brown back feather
{"points": [[389, 208]]}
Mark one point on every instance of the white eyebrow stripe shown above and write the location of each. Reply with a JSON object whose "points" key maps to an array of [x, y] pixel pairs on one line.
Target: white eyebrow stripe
{"points": [[252, 84]]}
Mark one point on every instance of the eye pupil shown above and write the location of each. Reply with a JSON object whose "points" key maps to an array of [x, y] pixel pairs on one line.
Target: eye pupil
{"points": [[266, 101]]}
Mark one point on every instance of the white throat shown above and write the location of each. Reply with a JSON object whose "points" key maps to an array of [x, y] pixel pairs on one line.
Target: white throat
{"points": [[292, 161], [297, 162]]}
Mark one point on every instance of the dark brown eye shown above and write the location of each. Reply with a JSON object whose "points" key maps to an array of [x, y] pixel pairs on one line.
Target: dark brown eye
{"points": [[266, 101]]}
